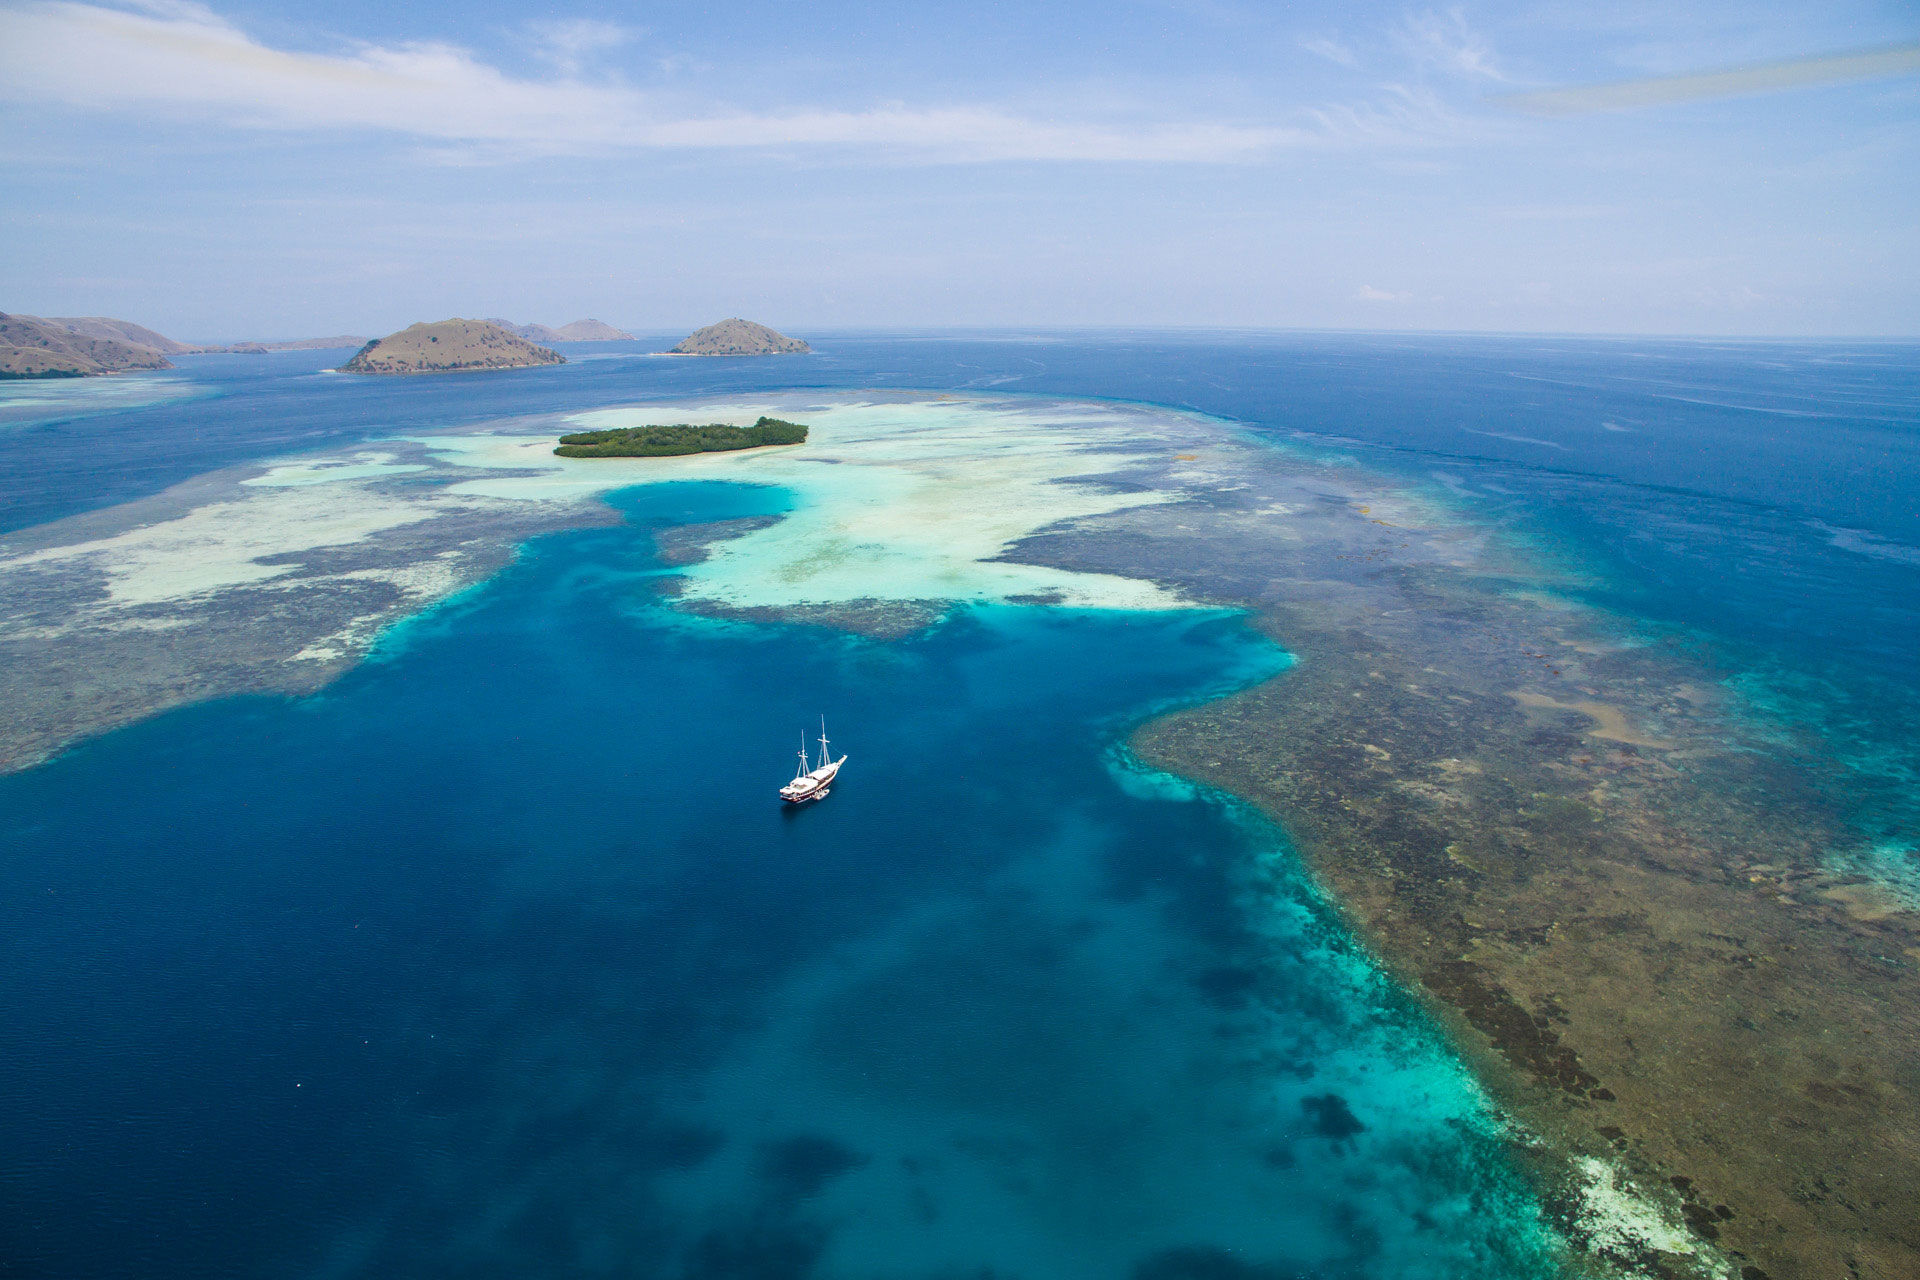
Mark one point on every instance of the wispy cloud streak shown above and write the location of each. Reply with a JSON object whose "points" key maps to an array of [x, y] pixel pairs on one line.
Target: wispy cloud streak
{"points": [[185, 57], [1332, 51], [1732, 82], [572, 44], [1443, 40]]}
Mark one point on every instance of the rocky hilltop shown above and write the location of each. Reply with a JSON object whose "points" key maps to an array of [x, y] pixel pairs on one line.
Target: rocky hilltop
{"points": [[32, 347], [578, 331], [531, 332], [134, 335], [449, 346], [737, 337], [593, 331]]}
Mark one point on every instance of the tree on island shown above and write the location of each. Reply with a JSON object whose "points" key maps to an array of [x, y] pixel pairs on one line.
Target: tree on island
{"points": [[679, 438]]}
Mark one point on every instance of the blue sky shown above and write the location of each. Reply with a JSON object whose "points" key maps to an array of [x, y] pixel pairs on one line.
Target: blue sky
{"points": [[257, 169]]}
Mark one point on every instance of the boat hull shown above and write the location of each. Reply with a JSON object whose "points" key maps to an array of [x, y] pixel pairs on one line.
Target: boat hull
{"points": [[822, 779]]}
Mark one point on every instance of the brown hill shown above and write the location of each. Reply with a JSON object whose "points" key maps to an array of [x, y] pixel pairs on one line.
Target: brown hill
{"points": [[593, 331], [578, 331], [531, 332], [449, 346], [34, 348], [134, 335], [737, 337]]}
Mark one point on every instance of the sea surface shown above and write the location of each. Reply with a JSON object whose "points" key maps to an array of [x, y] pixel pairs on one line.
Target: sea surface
{"points": [[493, 957]]}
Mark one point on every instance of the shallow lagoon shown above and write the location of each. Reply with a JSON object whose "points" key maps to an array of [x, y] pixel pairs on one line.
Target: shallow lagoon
{"points": [[492, 960]]}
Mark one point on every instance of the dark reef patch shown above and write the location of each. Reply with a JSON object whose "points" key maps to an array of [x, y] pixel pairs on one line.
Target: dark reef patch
{"points": [[679, 1148], [1204, 1262], [1227, 986], [1332, 1118], [1525, 1039], [760, 1250], [799, 1168]]}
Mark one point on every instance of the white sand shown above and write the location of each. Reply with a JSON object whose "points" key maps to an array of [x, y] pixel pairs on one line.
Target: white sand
{"points": [[360, 466], [223, 544], [893, 501], [1618, 1220]]}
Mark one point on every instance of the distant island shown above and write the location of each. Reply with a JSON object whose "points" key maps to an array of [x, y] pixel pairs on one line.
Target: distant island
{"points": [[737, 337], [85, 346], [578, 331], [296, 344], [681, 438], [37, 347], [449, 346]]}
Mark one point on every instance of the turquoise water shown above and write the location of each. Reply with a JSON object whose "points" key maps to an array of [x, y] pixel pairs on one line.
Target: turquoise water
{"points": [[499, 958], [479, 962]]}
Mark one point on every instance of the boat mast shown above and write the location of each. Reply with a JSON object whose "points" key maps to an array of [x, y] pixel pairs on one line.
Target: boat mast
{"points": [[801, 772], [824, 755]]}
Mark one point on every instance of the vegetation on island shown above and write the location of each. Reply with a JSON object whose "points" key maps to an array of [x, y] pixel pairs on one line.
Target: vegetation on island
{"points": [[679, 438]]}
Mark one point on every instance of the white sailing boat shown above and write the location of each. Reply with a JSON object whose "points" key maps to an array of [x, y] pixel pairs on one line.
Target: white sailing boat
{"points": [[810, 782]]}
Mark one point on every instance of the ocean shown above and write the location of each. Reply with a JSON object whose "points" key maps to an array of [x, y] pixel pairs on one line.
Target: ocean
{"points": [[494, 957]]}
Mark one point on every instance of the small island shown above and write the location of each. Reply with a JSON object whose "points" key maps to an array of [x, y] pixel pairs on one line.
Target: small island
{"points": [[591, 331], [680, 438], [737, 337], [335, 343], [451, 346], [578, 331]]}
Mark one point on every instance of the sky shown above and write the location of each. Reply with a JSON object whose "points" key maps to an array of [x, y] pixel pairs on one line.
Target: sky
{"points": [[257, 169]]}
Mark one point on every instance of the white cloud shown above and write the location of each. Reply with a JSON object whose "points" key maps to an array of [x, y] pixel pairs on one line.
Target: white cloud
{"points": [[1402, 115], [184, 57], [1444, 40], [1332, 50], [572, 43], [1367, 293]]}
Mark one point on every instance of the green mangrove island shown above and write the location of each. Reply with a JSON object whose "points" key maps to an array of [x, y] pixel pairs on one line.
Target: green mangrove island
{"points": [[670, 441]]}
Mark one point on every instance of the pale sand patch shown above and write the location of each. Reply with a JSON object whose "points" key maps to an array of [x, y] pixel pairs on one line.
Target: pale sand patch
{"points": [[361, 466], [32, 399], [1866, 901], [1895, 870], [1544, 600], [909, 501], [1611, 723], [420, 583], [1619, 1221], [222, 545]]}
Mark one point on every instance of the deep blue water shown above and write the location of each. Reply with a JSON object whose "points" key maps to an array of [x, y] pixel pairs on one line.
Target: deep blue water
{"points": [[476, 964], [497, 959]]}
